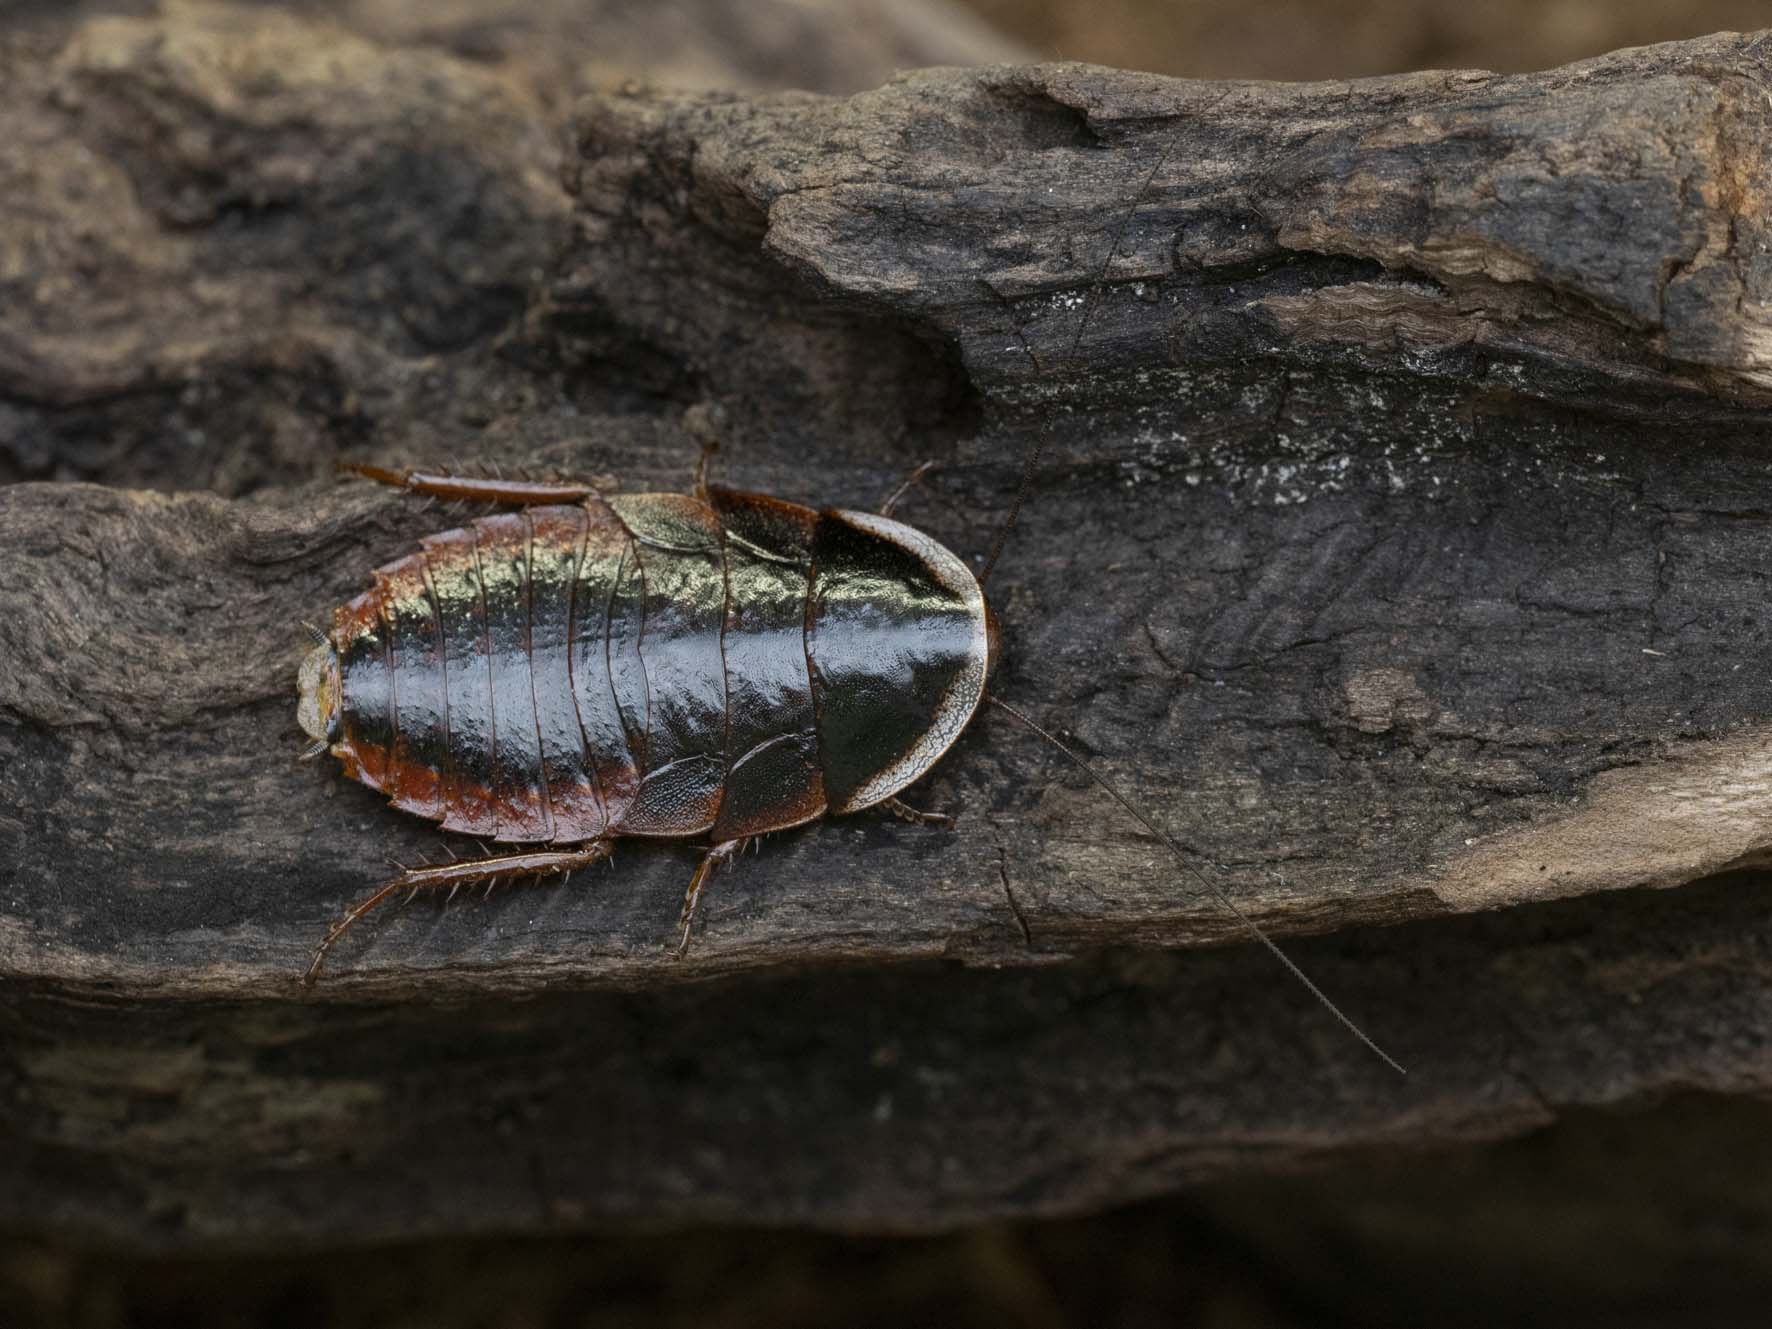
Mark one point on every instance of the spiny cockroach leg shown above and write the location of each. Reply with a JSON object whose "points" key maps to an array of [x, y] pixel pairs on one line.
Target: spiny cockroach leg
{"points": [[917, 818], [904, 487], [712, 861], [479, 489], [457, 875]]}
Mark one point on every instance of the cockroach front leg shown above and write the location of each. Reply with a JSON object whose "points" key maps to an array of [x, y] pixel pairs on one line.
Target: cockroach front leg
{"points": [[905, 486], [916, 817], [704, 468], [707, 422], [711, 862], [468, 872], [478, 489]]}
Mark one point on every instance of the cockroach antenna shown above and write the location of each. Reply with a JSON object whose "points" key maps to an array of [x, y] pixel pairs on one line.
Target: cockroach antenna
{"points": [[1217, 892], [1254, 929]]}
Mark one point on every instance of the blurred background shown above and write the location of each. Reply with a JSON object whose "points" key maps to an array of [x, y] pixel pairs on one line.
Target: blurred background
{"points": [[1325, 39], [1617, 1218]]}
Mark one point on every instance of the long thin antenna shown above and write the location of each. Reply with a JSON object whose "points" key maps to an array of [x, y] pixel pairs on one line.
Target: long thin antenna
{"points": [[996, 552], [1033, 457], [1254, 928]]}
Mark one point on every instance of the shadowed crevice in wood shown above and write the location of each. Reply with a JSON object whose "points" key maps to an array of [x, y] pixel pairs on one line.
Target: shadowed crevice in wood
{"points": [[1058, 1089]]}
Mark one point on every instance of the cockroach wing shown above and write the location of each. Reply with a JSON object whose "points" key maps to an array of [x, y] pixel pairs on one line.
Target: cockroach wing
{"points": [[898, 648]]}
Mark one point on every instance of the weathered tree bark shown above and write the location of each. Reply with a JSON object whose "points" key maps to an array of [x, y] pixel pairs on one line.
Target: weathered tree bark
{"points": [[1399, 541]]}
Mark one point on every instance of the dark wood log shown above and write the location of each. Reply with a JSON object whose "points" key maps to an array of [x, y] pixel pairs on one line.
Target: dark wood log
{"points": [[1399, 541]]}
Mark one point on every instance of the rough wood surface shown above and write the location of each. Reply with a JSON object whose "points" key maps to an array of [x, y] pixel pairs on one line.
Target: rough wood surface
{"points": [[1400, 541]]}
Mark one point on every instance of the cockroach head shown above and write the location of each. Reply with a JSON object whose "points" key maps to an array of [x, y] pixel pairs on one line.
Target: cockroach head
{"points": [[318, 686]]}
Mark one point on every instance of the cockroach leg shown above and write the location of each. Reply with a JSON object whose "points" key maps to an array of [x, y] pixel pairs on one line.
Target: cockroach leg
{"points": [[456, 875], [704, 467], [906, 812], [905, 486], [711, 862], [478, 489]]}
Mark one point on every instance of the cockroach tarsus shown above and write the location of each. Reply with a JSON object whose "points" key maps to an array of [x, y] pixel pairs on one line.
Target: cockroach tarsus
{"points": [[717, 665]]}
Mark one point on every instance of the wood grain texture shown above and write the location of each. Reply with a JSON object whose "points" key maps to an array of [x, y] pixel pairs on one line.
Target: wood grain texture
{"points": [[1400, 541]]}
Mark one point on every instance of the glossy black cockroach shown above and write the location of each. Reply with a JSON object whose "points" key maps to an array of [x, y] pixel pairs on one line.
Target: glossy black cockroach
{"points": [[717, 666]]}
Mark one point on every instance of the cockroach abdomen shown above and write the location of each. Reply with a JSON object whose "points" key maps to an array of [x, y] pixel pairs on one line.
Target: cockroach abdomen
{"points": [[678, 549], [556, 540], [454, 577], [420, 746], [513, 763]]}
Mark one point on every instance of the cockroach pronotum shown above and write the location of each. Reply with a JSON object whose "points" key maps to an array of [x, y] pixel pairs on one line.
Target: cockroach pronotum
{"points": [[716, 665]]}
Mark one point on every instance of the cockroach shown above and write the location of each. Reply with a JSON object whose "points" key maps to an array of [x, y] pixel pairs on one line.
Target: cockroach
{"points": [[712, 666], [717, 665]]}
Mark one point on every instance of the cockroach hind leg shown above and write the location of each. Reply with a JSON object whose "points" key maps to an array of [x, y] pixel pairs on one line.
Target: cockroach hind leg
{"points": [[711, 862], [456, 875], [904, 811], [477, 489]]}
